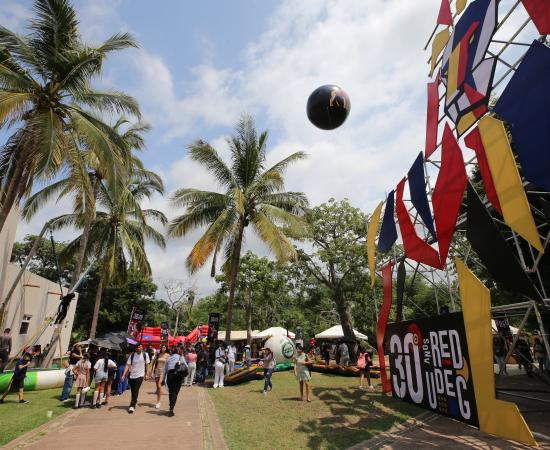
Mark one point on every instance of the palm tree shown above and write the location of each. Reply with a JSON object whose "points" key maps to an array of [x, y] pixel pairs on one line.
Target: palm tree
{"points": [[253, 195], [118, 232], [45, 92], [74, 184]]}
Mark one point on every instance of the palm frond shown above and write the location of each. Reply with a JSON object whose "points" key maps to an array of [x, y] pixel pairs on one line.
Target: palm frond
{"points": [[201, 152], [272, 235], [13, 106], [43, 196], [215, 233], [107, 101], [119, 41]]}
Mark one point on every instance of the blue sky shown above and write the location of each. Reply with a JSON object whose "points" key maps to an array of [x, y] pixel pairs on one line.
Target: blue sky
{"points": [[201, 64]]}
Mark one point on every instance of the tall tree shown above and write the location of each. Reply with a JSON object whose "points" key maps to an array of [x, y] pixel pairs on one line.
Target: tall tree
{"points": [[118, 233], [253, 195], [337, 232], [46, 95]]}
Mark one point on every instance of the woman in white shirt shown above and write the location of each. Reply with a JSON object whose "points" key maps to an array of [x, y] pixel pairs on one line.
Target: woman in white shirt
{"points": [[102, 367]]}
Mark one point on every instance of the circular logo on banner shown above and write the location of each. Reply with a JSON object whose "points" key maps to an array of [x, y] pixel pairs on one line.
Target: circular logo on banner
{"points": [[287, 349]]}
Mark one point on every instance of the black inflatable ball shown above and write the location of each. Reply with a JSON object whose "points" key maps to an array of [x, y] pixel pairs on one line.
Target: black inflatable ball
{"points": [[328, 107]]}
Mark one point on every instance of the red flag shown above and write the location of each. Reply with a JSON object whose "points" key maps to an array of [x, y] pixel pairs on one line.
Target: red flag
{"points": [[415, 247], [445, 17], [473, 141], [539, 10], [381, 325], [448, 192]]}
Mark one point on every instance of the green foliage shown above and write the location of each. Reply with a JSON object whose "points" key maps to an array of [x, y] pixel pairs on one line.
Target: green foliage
{"points": [[337, 260], [117, 303], [43, 261]]}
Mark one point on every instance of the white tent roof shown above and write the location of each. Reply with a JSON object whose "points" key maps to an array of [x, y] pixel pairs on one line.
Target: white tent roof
{"points": [[273, 331], [336, 332], [236, 335]]}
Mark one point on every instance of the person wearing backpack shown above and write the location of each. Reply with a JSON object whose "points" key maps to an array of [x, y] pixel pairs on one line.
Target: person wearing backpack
{"points": [[136, 367], [175, 370], [364, 363]]}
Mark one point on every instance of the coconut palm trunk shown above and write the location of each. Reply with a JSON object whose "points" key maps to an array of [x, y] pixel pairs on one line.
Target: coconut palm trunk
{"points": [[99, 293], [9, 195], [235, 261], [85, 238], [249, 318]]}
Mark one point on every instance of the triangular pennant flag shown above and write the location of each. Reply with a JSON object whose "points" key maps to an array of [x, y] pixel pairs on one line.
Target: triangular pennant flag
{"points": [[438, 45], [371, 236], [460, 5], [445, 17]]}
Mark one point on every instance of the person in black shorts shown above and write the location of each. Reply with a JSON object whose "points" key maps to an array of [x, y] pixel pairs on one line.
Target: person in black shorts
{"points": [[17, 381], [364, 363]]}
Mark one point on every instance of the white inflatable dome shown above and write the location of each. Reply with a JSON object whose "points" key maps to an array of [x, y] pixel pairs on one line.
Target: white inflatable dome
{"points": [[282, 347]]}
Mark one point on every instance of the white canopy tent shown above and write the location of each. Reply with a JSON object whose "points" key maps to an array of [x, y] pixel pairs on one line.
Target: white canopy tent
{"points": [[273, 331], [336, 332]]}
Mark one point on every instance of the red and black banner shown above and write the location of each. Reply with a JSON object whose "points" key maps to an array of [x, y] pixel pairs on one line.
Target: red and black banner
{"points": [[430, 365], [213, 326], [136, 323], [164, 331]]}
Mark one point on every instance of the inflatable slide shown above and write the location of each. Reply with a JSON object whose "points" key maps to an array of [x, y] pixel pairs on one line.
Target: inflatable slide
{"points": [[37, 379]]}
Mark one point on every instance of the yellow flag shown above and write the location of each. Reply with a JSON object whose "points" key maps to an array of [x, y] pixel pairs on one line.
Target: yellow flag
{"points": [[371, 236], [438, 45], [496, 417], [460, 5], [510, 192]]}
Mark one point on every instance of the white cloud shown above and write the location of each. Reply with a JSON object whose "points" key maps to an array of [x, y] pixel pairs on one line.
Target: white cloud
{"points": [[13, 15]]}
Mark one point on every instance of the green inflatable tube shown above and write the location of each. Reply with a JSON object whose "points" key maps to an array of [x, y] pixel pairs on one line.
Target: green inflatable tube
{"points": [[36, 379]]}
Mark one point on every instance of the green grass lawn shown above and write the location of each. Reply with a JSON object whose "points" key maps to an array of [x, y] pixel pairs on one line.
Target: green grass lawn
{"points": [[16, 419], [339, 416]]}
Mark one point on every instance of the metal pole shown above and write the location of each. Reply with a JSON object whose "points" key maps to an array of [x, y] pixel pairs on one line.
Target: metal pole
{"points": [[520, 329], [542, 330]]}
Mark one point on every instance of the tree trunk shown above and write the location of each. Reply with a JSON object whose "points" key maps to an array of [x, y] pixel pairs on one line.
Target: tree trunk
{"points": [[102, 282], [345, 320], [84, 240], [249, 318], [177, 320], [235, 260], [12, 191]]}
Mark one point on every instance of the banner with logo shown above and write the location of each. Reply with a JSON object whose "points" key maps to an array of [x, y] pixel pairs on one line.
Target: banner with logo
{"points": [[164, 331], [213, 326], [136, 322], [430, 365]]}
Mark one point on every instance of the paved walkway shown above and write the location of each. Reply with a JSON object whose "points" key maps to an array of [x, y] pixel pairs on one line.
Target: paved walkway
{"points": [[194, 426], [432, 431]]}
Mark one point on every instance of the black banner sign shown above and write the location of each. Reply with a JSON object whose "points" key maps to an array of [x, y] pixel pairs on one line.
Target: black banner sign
{"points": [[136, 323], [213, 326], [430, 365], [164, 331]]}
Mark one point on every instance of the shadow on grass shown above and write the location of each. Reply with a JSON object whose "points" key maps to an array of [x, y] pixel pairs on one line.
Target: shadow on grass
{"points": [[355, 416]]}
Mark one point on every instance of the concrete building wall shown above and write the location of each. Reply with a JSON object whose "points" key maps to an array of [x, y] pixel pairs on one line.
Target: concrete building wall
{"points": [[34, 301]]}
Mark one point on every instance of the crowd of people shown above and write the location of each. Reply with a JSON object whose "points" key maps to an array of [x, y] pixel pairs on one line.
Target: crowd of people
{"points": [[526, 353]]}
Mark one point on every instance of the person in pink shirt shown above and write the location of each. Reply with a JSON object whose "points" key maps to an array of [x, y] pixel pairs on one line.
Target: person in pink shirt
{"points": [[191, 359]]}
